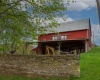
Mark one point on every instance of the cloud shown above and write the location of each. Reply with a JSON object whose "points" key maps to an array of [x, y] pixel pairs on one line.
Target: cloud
{"points": [[79, 5], [61, 20], [91, 3], [96, 34]]}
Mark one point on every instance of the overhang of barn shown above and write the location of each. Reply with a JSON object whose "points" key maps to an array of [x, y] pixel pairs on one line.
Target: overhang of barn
{"points": [[63, 45]]}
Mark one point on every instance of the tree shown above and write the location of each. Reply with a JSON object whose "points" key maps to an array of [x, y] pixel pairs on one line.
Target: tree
{"points": [[22, 19]]}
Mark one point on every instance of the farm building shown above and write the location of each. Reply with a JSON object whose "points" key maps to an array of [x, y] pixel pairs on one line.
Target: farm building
{"points": [[69, 36]]}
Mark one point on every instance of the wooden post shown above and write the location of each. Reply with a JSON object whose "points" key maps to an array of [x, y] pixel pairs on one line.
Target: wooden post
{"points": [[86, 45], [75, 54], [59, 46], [39, 48], [79, 52]]}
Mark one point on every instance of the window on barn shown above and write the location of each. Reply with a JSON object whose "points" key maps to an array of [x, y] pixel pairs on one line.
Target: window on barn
{"points": [[54, 38], [63, 37], [59, 36]]}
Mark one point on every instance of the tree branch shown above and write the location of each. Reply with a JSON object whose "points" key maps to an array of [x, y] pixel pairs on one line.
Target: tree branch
{"points": [[8, 9]]}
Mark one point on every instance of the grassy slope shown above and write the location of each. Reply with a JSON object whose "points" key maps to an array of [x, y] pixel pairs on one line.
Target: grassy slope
{"points": [[90, 65]]}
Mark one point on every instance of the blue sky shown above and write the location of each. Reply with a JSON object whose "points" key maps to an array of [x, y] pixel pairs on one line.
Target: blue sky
{"points": [[83, 9], [91, 13]]}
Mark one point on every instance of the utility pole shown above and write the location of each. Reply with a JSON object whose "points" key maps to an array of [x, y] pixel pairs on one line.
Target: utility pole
{"points": [[98, 7]]}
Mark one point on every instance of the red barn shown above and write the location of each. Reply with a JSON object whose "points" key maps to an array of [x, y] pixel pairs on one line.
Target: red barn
{"points": [[73, 35]]}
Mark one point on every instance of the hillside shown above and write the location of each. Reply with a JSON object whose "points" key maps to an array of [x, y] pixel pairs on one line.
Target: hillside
{"points": [[90, 65]]}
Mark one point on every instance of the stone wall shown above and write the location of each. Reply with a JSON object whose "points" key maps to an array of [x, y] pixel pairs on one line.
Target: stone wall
{"points": [[38, 66]]}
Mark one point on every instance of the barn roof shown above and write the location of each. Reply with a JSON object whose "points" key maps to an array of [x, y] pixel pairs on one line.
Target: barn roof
{"points": [[71, 26]]}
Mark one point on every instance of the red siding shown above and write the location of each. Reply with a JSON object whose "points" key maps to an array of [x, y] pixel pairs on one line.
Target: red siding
{"points": [[81, 34]]}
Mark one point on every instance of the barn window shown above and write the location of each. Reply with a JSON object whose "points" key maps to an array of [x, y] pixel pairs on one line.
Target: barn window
{"points": [[59, 36], [63, 37], [54, 38]]}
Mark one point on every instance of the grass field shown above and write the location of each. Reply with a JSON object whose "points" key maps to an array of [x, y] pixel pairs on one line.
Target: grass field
{"points": [[89, 65], [24, 78]]}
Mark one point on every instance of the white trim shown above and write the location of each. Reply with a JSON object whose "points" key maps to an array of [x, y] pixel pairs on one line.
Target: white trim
{"points": [[63, 37], [87, 34], [54, 38]]}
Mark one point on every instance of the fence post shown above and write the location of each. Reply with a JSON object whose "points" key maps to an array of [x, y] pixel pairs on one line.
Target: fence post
{"points": [[75, 54]]}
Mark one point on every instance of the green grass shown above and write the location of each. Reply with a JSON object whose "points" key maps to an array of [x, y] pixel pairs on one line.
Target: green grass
{"points": [[89, 65], [26, 78], [18, 78]]}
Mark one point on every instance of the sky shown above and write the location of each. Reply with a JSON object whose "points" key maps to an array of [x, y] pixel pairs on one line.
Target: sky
{"points": [[84, 9]]}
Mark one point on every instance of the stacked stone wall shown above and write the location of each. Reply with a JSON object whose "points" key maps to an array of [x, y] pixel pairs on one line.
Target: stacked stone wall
{"points": [[41, 65]]}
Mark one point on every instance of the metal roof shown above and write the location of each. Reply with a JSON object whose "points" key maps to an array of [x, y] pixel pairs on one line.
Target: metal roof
{"points": [[71, 26]]}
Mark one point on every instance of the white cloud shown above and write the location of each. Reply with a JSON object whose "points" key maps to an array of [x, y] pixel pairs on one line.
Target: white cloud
{"points": [[60, 20], [96, 34], [91, 3], [80, 4]]}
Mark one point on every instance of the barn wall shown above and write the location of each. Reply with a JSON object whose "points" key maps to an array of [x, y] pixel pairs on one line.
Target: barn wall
{"points": [[81, 34], [35, 66], [76, 34]]}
